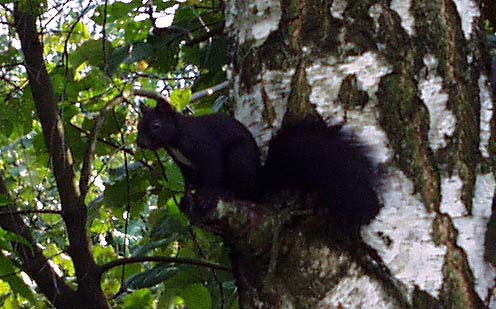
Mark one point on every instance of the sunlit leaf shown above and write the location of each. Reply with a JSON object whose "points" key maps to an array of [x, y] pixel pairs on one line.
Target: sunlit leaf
{"points": [[181, 98], [142, 299], [196, 296], [10, 274], [92, 59], [12, 237]]}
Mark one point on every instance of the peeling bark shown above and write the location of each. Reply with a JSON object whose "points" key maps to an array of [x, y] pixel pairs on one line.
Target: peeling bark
{"points": [[410, 79]]}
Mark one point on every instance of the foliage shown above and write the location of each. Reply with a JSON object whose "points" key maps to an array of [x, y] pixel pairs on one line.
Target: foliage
{"points": [[94, 52]]}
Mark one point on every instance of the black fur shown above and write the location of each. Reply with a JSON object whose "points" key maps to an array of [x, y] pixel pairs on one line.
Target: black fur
{"points": [[217, 154], [311, 157]]}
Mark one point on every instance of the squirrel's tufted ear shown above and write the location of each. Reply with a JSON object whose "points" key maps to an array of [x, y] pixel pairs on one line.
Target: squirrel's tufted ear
{"points": [[164, 107], [144, 108]]}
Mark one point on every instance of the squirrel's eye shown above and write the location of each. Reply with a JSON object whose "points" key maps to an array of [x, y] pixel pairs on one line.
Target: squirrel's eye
{"points": [[156, 124]]}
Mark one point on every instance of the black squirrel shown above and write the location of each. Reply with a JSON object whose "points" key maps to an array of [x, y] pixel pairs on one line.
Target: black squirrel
{"points": [[216, 153], [321, 164]]}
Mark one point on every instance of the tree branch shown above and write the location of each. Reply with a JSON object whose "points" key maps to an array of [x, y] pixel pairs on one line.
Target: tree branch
{"points": [[74, 210], [206, 36], [34, 263], [151, 95], [209, 91], [172, 29], [111, 144], [13, 211], [161, 259], [196, 96], [90, 152]]}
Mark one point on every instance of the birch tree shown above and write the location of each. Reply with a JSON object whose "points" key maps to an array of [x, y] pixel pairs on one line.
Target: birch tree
{"points": [[94, 222], [410, 79]]}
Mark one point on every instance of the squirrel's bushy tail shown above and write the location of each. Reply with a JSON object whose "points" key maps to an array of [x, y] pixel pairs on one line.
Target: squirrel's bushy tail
{"points": [[310, 156]]}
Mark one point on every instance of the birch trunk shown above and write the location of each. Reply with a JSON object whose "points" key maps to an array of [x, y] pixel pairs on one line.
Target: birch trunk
{"points": [[410, 78]]}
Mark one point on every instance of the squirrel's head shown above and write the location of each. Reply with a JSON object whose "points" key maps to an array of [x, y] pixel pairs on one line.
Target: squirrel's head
{"points": [[157, 126]]}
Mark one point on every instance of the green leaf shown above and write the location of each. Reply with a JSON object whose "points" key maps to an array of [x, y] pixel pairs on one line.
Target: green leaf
{"points": [[116, 195], [162, 5], [168, 300], [79, 32], [143, 250], [115, 11], [51, 219], [28, 194], [130, 54], [185, 18], [117, 57], [74, 138], [6, 126], [12, 237], [5, 200], [9, 54], [99, 226], [174, 176], [209, 57], [113, 123], [165, 55], [104, 254], [69, 111], [10, 274], [142, 299], [168, 227], [92, 52], [93, 81], [17, 113], [218, 56], [137, 31], [153, 276], [187, 276], [140, 51], [180, 98], [118, 10], [197, 296]]}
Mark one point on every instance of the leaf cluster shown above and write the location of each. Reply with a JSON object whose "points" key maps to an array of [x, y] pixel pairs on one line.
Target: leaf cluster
{"points": [[96, 51]]}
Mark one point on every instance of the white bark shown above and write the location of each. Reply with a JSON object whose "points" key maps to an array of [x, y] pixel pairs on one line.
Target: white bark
{"points": [[403, 231]]}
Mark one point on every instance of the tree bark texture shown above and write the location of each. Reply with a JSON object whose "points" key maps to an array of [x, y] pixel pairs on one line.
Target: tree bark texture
{"points": [[74, 212], [410, 78]]}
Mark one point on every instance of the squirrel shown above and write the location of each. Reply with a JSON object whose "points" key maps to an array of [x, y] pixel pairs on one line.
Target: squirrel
{"points": [[216, 153]]}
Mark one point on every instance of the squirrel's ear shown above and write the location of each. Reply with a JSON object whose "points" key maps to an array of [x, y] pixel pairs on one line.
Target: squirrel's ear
{"points": [[144, 108], [164, 107]]}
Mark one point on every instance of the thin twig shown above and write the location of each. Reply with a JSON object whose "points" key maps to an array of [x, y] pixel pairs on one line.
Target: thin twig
{"points": [[128, 213], [152, 76], [113, 145], [214, 272], [27, 212], [65, 54], [161, 259], [151, 95], [104, 39], [90, 152], [206, 36], [209, 91]]}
